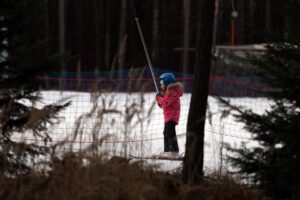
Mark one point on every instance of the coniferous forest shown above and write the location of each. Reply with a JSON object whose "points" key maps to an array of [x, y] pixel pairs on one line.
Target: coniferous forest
{"points": [[104, 34]]}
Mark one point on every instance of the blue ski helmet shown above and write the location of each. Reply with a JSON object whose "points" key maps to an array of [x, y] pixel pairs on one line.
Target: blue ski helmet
{"points": [[167, 78]]}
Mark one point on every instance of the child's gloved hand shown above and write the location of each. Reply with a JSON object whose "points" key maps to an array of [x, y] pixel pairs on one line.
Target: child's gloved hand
{"points": [[159, 94]]}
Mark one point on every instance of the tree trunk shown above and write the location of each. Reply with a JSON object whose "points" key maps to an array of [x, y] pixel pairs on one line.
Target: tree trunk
{"points": [[79, 29], [251, 21], [155, 33], [107, 35], [186, 35], [62, 27], [122, 35], [47, 31], [215, 30], [97, 33], [193, 161], [268, 15], [240, 36]]}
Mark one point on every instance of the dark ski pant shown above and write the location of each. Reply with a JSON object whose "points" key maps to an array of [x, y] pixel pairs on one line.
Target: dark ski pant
{"points": [[170, 139]]}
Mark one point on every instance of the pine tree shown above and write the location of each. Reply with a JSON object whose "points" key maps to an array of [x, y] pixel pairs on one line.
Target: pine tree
{"points": [[274, 164], [20, 66]]}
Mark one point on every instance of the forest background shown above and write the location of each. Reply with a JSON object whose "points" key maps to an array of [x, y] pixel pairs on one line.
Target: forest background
{"points": [[103, 34]]}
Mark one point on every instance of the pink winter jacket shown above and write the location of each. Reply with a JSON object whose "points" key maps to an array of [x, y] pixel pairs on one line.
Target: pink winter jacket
{"points": [[170, 102]]}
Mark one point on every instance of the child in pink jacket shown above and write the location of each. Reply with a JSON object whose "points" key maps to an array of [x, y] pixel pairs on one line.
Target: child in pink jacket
{"points": [[169, 101]]}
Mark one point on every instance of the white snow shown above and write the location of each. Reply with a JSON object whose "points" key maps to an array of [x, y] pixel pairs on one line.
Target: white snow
{"points": [[131, 123]]}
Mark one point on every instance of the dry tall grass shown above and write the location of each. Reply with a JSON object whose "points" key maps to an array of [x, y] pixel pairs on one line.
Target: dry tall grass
{"points": [[80, 176]]}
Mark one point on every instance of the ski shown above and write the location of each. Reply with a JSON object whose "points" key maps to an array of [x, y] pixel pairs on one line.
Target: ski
{"points": [[157, 157]]}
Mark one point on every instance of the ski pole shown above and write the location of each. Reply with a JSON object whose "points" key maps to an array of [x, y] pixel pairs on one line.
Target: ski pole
{"points": [[144, 45]]}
